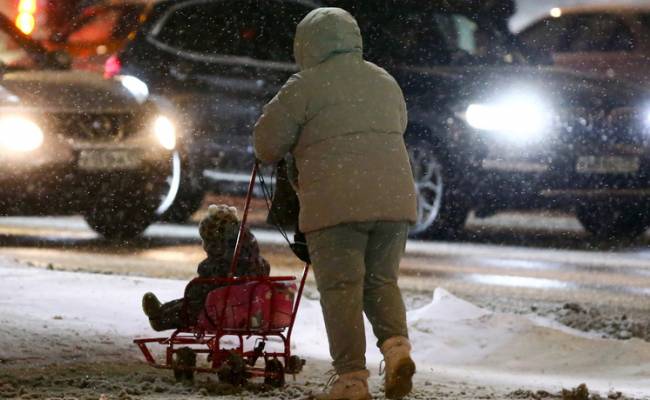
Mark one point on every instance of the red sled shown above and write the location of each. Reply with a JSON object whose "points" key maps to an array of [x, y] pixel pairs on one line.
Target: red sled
{"points": [[255, 305], [254, 311]]}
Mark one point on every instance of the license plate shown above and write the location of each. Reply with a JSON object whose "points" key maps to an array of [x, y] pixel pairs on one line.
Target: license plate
{"points": [[106, 160], [607, 164]]}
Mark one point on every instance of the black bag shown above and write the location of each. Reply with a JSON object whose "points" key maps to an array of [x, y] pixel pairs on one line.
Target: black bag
{"points": [[285, 208], [285, 205]]}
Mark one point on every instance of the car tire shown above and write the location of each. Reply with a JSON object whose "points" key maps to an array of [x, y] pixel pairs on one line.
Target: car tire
{"points": [[614, 221], [120, 218], [185, 205], [442, 212], [125, 206]]}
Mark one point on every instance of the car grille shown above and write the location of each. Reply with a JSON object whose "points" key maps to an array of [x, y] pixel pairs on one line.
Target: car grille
{"points": [[93, 127], [619, 126]]}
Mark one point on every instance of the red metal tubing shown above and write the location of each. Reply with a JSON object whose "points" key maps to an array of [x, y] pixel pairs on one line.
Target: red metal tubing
{"points": [[297, 305], [145, 351], [249, 195]]}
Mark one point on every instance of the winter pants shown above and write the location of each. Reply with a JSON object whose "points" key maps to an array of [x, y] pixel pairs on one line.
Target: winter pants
{"points": [[170, 316], [171, 313], [356, 267]]}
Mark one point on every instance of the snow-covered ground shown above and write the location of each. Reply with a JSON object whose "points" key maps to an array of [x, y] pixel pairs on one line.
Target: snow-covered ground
{"points": [[53, 316]]}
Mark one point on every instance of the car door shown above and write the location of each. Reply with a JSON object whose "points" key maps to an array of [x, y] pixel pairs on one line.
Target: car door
{"points": [[229, 57]]}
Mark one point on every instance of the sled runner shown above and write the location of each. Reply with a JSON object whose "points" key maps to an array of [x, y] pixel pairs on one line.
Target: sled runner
{"points": [[242, 320]]}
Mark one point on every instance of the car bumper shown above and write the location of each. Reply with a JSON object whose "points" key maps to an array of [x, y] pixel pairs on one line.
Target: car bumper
{"points": [[552, 183], [58, 180]]}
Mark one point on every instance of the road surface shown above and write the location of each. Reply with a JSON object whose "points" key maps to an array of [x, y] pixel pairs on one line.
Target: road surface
{"points": [[534, 265], [526, 258]]}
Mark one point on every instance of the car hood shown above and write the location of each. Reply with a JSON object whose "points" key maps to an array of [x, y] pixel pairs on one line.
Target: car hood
{"points": [[64, 91], [562, 88]]}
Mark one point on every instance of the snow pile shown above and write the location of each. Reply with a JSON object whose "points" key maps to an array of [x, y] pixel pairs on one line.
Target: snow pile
{"points": [[50, 314], [457, 339]]}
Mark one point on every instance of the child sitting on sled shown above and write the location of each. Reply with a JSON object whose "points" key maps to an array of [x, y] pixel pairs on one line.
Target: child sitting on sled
{"points": [[218, 231]]}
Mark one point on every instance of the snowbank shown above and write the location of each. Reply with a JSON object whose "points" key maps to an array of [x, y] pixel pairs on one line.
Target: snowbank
{"points": [[41, 310]]}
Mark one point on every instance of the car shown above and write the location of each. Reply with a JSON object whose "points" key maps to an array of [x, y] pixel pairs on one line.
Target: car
{"points": [[95, 32], [73, 142], [491, 128], [605, 39]]}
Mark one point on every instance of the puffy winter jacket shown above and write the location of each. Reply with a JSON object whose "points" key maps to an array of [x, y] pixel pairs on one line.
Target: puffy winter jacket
{"points": [[343, 119]]}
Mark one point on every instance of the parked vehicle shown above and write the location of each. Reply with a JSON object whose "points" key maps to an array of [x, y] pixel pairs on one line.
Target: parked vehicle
{"points": [[97, 31], [487, 132], [72, 142], [607, 39]]}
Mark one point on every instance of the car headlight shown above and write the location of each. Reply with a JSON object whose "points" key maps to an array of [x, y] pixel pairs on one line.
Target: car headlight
{"points": [[518, 118], [19, 134], [165, 132]]}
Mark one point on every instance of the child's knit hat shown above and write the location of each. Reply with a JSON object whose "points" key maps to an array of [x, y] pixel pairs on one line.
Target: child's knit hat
{"points": [[220, 224]]}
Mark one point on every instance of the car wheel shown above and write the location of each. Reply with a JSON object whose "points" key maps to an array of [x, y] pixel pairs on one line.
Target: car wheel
{"points": [[124, 207], [614, 221], [120, 219], [184, 193], [441, 214]]}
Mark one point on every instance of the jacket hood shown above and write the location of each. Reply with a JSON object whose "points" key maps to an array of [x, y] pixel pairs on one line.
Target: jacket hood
{"points": [[325, 32]]}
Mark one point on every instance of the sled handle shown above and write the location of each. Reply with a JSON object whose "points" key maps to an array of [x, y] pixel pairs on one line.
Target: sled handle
{"points": [[294, 313], [238, 246]]}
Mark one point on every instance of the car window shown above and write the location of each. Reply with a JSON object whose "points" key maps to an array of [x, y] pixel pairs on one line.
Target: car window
{"points": [[262, 30], [430, 38], [223, 27], [106, 25], [599, 33], [96, 30], [548, 35], [277, 26], [12, 54]]}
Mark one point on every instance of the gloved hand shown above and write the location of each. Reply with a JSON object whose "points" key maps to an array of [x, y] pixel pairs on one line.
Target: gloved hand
{"points": [[299, 247]]}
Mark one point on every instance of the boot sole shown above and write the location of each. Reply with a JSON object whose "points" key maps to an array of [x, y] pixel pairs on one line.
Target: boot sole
{"points": [[402, 383]]}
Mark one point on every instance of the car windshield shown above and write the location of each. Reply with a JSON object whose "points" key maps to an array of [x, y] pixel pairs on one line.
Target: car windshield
{"points": [[14, 56], [431, 39], [18, 51], [101, 24]]}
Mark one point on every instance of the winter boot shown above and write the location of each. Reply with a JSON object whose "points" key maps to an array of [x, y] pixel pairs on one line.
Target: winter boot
{"points": [[399, 367], [151, 307], [348, 386]]}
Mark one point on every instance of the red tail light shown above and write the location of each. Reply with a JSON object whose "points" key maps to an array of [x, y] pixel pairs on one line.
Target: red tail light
{"points": [[112, 66]]}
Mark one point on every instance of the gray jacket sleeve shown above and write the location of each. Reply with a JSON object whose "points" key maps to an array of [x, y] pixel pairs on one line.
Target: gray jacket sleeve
{"points": [[277, 130]]}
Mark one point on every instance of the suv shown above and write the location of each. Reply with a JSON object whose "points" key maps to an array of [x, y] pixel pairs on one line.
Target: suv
{"points": [[611, 40], [488, 131], [72, 142]]}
